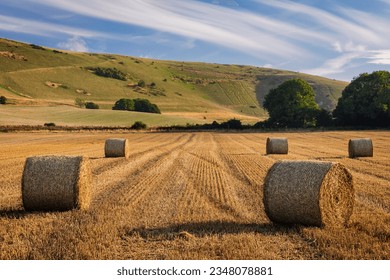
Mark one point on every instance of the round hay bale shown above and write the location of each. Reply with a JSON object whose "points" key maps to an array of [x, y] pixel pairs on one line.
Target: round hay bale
{"points": [[277, 146], [116, 147], [313, 193], [56, 183], [361, 147]]}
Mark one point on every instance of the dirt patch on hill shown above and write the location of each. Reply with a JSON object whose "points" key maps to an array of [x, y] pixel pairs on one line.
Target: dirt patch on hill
{"points": [[52, 84], [83, 91], [12, 55]]}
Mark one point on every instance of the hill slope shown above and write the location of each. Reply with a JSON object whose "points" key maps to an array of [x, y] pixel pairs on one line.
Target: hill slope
{"points": [[31, 75]]}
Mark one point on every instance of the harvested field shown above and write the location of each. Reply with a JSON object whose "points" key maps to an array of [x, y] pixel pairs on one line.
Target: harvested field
{"points": [[190, 196]]}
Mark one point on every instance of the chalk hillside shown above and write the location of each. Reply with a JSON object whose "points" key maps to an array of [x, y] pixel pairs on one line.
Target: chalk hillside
{"points": [[41, 85]]}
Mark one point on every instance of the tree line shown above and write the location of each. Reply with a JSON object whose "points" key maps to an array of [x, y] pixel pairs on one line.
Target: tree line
{"points": [[364, 102]]}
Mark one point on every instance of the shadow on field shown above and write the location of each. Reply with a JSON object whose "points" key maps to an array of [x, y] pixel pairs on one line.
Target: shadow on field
{"points": [[202, 229], [13, 214], [331, 158]]}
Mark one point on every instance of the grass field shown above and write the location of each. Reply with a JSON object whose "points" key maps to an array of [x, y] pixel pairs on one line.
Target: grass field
{"points": [[43, 77], [190, 196], [72, 116]]}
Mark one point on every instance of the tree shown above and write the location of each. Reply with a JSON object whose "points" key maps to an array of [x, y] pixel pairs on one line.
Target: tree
{"points": [[144, 105], [3, 99], [109, 73], [124, 104], [292, 104], [365, 101], [324, 118], [138, 104], [141, 83], [91, 105], [138, 125], [232, 124]]}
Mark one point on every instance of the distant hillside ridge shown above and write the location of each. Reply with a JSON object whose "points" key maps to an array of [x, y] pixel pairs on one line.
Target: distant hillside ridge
{"points": [[32, 75]]}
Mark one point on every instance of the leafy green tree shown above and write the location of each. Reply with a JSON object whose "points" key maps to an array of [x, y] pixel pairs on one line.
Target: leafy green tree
{"points": [[144, 105], [124, 104], [3, 99], [138, 104], [138, 125], [324, 118], [91, 105], [292, 104], [365, 101], [141, 83]]}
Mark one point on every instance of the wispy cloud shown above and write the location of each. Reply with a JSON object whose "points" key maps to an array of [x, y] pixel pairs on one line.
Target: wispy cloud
{"points": [[355, 36], [247, 32], [379, 57], [330, 24], [225, 2], [335, 65], [301, 36], [76, 44], [20, 25]]}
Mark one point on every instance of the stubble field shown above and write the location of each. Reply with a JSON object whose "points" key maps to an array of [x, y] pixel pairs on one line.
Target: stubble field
{"points": [[190, 196]]}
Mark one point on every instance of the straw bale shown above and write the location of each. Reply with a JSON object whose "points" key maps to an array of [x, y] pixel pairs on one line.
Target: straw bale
{"points": [[277, 146], [56, 183], [116, 147], [361, 147], [313, 193]]}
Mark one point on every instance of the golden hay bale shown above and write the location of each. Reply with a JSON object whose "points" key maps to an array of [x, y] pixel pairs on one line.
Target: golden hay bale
{"points": [[314, 193], [277, 146], [361, 147], [116, 147], [56, 183]]}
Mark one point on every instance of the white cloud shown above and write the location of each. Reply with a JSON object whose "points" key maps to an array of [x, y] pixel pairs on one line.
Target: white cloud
{"points": [[333, 66], [257, 35], [225, 2], [345, 61], [20, 25], [292, 34], [338, 26], [76, 44], [379, 57]]}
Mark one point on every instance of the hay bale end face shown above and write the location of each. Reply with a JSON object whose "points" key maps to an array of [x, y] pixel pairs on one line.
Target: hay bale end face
{"points": [[56, 183], [313, 193], [116, 147], [361, 147], [277, 146]]}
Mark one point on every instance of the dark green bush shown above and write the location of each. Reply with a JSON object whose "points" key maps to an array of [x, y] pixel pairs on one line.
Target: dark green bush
{"points": [[3, 100], [138, 125], [109, 73], [124, 104], [91, 105], [138, 104]]}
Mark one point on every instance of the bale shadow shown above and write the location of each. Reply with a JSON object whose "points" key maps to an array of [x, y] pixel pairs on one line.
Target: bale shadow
{"points": [[13, 213], [325, 158], [203, 229]]}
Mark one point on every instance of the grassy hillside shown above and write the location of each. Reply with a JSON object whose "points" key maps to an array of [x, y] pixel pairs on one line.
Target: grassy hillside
{"points": [[184, 91]]}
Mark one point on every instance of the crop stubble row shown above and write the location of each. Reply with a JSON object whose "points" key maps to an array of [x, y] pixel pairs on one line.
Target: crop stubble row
{"points": [[205, 184]]}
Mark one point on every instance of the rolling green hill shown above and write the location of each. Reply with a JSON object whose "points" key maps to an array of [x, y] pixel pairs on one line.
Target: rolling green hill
{"points": [[34, 78]]}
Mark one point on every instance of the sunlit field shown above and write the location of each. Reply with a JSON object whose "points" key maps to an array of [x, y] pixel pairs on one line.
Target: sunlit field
{"points": [[190, 196]]}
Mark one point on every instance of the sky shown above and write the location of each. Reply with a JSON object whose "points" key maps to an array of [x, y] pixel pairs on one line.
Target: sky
{"points": [[334, 39]]}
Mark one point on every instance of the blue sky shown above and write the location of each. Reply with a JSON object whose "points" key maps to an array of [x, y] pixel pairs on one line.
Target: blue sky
{"points": [[335, 39]]}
